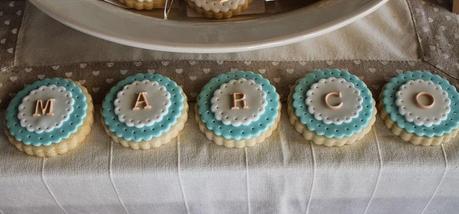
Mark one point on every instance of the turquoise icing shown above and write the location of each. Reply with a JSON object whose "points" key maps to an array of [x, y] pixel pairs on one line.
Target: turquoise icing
{"points": [[331, 130], [389, 98], [243, 132], [57, 135], [146, 133]]}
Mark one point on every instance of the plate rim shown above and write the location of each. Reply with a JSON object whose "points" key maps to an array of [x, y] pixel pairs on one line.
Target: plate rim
{"points": [[276, 41]]}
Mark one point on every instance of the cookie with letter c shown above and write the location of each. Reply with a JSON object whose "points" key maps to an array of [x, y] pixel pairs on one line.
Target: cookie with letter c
{"points": [[331, 107], [144, 111], [238, 109]]}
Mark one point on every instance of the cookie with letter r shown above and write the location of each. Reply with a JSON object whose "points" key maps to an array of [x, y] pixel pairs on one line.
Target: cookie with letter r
{"points": [[331, 107], [420, 107], [238, 109], [144, 111], [49, 117]]}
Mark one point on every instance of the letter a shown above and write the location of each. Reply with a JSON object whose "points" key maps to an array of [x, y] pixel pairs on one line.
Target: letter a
{"points": [[239, 98], [141, 101], [41, 110]]}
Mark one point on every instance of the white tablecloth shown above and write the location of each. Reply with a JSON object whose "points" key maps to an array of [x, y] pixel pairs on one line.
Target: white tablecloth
{"points": [[380, 174]]}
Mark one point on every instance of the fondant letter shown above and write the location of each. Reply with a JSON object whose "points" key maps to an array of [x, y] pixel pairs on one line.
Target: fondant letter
{"points": [[141, 101], [335, 105], [426, 103], [41, 110], [239, 98]]}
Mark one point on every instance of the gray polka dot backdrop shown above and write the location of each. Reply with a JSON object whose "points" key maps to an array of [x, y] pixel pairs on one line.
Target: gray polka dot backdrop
{"points": [[436, 26], [193, 75], [438, 32]]}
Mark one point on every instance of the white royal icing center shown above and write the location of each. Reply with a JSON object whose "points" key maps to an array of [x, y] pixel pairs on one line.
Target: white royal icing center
{"points": [[219, 5], [238, 102], [415, 110], [142, 103], [45, 109], [334, 101]]}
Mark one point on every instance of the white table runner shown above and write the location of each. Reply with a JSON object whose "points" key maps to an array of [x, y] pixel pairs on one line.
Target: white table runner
{"points": [[380, 174]]}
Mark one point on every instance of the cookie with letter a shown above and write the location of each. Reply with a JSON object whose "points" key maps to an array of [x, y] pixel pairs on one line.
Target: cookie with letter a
{"points": [[238, 109], [49, 117], [331, 107], [144, 111]]}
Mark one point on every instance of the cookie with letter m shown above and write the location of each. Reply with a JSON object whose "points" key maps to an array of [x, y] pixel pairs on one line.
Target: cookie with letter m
{"points": [[49, 117]]}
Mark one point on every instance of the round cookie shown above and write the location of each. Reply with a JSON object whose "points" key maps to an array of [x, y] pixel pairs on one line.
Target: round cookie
{"points": [[420, 107], [143, 4], [238, 109], [144, 111], [331, 107], [49, 117], [219, 9]]}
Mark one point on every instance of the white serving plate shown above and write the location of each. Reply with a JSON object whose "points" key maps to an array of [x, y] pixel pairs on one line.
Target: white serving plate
{"points": [[122, 26]]}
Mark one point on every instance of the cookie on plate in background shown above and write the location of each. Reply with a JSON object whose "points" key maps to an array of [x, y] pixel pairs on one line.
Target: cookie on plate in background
{"points": [[144, 4], [49, 117], [420, 107], [331, 107], [219, 9], [144, 111], [238, 109]]}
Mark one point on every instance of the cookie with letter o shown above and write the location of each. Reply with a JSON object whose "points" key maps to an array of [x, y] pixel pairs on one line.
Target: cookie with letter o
{"points": [[420, 107]]}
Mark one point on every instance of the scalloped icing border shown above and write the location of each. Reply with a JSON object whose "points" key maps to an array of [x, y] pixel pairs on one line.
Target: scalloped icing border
{"points": [[229, 119], [256, 128], [236, 143], [318, 115], [146, 133], [413, 138], [320, 139], [71, 126], [158, 141], [388, 102], [331, 130], [66, 145]]}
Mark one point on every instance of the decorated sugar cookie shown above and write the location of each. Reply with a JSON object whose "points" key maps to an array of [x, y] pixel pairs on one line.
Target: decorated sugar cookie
{"points": [[331, 107], [143, 4], [49, 117], [420, 107], [238, 109], [144, 111], [219, 9]]}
